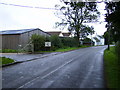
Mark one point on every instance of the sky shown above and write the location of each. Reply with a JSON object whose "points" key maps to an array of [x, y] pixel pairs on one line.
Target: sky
{"points": [[14, 17]]}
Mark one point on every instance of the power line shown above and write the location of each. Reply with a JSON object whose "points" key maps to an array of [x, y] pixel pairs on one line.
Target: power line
{"points": [[28, 6]]}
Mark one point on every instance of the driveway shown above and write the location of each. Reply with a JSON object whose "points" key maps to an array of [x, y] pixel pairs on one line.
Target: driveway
{"points": [[82, 68]]}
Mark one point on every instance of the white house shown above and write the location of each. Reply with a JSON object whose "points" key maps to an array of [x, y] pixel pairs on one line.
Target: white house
{"points": [[99, 40]]}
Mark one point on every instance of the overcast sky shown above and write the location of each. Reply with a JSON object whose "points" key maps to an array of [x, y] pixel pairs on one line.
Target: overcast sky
{"points": [[14, 17]]}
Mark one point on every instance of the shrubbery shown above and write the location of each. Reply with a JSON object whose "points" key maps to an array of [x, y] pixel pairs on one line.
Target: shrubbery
{"points": [[39, 42], [69, 42], [56, 42]]}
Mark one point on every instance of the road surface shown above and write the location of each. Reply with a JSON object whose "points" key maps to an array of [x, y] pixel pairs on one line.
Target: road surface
{"points": [[82, 68]]}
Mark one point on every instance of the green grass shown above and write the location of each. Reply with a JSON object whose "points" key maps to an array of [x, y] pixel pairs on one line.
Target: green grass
{"points": [[111, 68], [8, 51], [58, 50], [69, 48], [64, 49], [4, 60]]}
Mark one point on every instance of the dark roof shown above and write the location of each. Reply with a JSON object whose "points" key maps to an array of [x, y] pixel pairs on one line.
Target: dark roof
{"points": [[54, 33], [66, 34], [18, 31]]}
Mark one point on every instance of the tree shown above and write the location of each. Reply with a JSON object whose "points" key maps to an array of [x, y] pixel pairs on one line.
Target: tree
{"points": [[105, 36], [113, 19], [74, 14], [85, 31]]}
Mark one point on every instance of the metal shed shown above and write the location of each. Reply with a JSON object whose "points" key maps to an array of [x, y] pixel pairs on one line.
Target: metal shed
{"points": [[11, 39]]}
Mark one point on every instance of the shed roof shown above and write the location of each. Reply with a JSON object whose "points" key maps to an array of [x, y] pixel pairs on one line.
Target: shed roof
{"points": [[54, 32], [16, 31]]}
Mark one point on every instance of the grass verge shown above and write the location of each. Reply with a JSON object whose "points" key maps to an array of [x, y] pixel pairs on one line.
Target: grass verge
{"points": [[65, 49], [111, 68], [4, 60], [58, 50], [8, 51]]}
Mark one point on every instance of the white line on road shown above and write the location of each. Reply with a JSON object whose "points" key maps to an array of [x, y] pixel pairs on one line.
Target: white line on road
{"points": [[39, 77], [45, 75]]}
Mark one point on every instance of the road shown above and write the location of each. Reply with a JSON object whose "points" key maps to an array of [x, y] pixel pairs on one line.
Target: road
{"points": [[82, 68]]}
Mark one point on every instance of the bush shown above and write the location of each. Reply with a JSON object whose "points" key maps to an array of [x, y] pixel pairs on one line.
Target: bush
{"points": [[56, 42], [38, 41], [47, 39], [69, 42]]}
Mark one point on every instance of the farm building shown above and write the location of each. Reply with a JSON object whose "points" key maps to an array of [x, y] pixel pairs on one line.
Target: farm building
{"points": [[12, 39]]}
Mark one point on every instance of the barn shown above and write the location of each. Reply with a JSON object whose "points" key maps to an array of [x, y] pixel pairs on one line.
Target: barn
{"points": [[12, 39]]}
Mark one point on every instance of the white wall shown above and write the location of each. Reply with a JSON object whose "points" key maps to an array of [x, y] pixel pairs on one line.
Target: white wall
{"points": [[99, 43]]}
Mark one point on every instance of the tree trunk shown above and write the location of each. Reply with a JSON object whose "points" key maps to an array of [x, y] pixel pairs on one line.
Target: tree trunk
{"points": [[78, 40]]}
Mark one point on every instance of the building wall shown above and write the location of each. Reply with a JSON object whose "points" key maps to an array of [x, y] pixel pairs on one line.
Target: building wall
{"points": [[10, 41], [99, 43], [25, 37], [0, 41], [13, 41]]}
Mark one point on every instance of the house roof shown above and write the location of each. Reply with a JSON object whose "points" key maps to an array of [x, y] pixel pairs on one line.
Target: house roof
{"points": [[16, 31], [8, 32], [66, 34], [54, 33]]}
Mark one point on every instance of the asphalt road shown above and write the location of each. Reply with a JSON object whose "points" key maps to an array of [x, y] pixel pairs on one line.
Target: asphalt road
{"points": [[81, 68]]}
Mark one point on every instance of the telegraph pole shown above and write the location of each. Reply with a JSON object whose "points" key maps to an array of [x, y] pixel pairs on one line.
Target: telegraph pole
{"points": [[91, 39], [108, 31]]}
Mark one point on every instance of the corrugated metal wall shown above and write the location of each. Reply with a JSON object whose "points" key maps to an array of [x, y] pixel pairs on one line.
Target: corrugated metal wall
{"points": [[10, 41], [25, 37], [0, 41]]}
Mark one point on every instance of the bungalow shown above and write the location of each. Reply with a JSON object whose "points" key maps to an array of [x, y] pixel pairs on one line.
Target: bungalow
{"points": [[12, 39]]}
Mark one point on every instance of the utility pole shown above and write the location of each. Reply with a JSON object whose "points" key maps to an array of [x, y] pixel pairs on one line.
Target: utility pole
{"points": [[91, 39], [108, 31]]}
